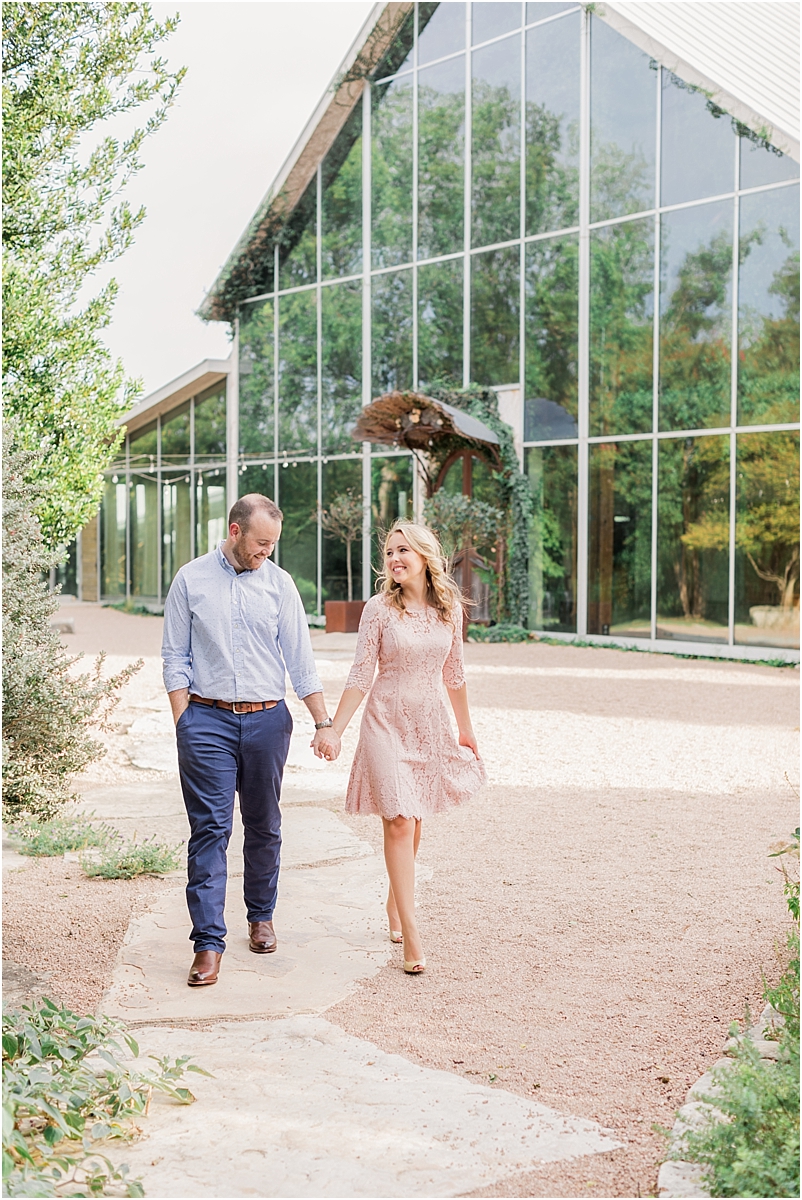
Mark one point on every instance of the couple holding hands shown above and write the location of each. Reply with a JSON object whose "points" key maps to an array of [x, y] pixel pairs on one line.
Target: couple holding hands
{"points": [[233, 621]]}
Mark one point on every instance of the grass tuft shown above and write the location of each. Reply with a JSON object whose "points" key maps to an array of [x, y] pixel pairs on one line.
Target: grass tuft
{"points": [[126, 860]]}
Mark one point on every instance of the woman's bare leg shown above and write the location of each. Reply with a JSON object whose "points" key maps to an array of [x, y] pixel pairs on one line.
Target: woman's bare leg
{"points": [[392, 907], [399, 857]]}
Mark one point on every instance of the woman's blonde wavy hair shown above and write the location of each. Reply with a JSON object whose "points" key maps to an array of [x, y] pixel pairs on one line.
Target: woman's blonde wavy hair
{"points": [[442, 592]]}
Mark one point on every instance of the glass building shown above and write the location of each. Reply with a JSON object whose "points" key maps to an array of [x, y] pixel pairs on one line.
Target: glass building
{"points": [[515, 195]]}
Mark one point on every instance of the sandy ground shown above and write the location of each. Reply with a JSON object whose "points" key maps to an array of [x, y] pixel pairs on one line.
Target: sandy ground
{"points": [[593, 921]]}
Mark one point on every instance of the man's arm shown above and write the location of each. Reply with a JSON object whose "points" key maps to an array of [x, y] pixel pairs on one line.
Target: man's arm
{"points": [[177, 647]]}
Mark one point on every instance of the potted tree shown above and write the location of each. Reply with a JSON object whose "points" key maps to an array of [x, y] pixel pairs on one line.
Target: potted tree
{"points": [[342, 522]]}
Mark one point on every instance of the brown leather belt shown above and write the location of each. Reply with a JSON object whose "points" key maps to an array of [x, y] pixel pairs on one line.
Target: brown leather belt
{"points": [[240, 707]]}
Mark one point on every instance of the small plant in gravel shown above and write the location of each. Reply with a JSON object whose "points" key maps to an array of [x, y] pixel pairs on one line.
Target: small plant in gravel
{"points": [[48, 839], [754, 1149], [501, 633], [125, 860], [66, 1095]]}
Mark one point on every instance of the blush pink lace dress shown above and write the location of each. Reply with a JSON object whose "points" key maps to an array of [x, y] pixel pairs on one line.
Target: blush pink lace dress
{"points": [[408, 762]]}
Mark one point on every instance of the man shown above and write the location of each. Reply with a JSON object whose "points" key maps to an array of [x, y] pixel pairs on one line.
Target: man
{"points": [[232, 621]]}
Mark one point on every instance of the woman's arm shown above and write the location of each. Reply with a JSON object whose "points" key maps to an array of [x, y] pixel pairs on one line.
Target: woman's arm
{"points": [[350, 701], [459, 703]]}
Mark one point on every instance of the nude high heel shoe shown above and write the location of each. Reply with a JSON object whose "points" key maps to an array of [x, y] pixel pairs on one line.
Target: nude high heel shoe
{"points": [[396, 936], [415, 968]]}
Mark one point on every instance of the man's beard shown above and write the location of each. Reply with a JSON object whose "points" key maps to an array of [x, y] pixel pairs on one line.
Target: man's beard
{"points": [[246, 562]]}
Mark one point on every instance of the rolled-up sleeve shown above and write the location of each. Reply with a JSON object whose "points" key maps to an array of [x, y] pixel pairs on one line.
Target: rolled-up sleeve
{"points": [[176, 639], [295, 645]]}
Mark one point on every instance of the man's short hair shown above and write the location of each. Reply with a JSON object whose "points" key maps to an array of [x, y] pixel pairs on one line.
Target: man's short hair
{"points": [[243, 510]]}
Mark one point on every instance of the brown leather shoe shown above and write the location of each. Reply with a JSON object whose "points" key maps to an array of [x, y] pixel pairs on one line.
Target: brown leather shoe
{"points": [[262, 939], [205, 969]]}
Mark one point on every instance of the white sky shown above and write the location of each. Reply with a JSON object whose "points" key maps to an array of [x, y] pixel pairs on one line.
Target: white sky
{"points": [[256, 71]]}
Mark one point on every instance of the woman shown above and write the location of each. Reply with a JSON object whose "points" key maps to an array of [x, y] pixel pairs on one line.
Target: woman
{"points": [[407, 764]]}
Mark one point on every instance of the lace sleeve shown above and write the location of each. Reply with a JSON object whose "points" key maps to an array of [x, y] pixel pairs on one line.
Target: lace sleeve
{"points": [[367, 647], [453, 673]]}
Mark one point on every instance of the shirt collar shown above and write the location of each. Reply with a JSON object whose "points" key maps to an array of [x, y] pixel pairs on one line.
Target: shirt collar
{"points": [[224, 563]]}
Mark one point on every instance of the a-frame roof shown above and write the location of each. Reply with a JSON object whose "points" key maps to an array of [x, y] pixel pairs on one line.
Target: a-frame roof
{"points": [[745, 55]]}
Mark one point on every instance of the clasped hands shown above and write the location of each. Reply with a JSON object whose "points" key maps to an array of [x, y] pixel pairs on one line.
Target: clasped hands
{"points": [[326, 744]]}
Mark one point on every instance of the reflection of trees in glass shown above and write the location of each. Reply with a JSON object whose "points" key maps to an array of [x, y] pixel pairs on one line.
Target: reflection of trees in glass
{"points": [[175, 435], [144, 541], [392, 332], [341, 202], [341, 364], [623, 131], [441, 158], [552, 283], [767, 519], [496, 143], [391, 180], [297, 547], [621, 320], [297, 373], [768, 319], [256, 360], [176, 527], [552, 125], [695, 317], [693, 495], [112, 546], [552, 472], [391, 498], [620, 541], [210, 427], [440, 321], [494, 316], [298, 243]]}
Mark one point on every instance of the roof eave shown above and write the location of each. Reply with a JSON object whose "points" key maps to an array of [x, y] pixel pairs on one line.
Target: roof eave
{"points": [[317, 137], [784, 140], [198, 379]]}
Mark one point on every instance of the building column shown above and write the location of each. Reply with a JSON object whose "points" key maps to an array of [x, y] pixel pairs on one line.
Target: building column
{"points": [[232, 422]]}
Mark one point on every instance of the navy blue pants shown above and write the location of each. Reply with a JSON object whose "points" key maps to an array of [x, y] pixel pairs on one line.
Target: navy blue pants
{"points": [[220, 753]]}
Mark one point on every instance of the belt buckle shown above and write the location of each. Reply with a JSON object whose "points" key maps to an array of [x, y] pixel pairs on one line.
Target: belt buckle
{"points": [[241, 712]]}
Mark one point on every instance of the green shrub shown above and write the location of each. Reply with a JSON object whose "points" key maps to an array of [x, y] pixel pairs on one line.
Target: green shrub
{"points": [[501, 633], [125, 860], [48, 839], [66, 1095], [754, 1150]]}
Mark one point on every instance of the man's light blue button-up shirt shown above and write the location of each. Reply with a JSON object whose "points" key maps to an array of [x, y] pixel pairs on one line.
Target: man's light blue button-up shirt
{"points": [[228, 636]]}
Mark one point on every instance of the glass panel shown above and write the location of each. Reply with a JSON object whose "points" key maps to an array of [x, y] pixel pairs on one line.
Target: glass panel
{"points": [[256, 380], [693, 517], [298, 243], [761, 163], [442, 30], [341, 202], [619, 556], [545, 8], [67, 571], [695, 316], [399, 56], [496, 142], [552, 472], [341, 365], [392, 332], [767, 540], [112, 548], [552, 309], [342, 579], [210, 427], [490, 20], [440, 322], [552, 125], [391, 498], [144, 498], [259, 477], [698, 152], [768, 308], [297, 413], [175, 436], [210, 510], [391, 181], [143, 446], [621, 327], [623, 102], [494, 316], [176, 527], [297, 548], [441, 158]]}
